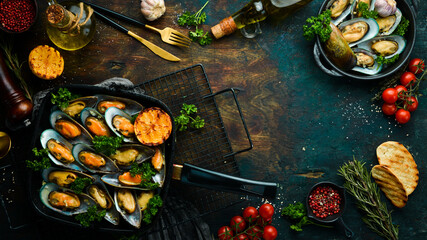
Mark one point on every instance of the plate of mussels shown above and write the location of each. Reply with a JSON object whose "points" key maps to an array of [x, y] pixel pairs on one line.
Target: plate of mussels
{"points": [[356, 43], [67, 133]]}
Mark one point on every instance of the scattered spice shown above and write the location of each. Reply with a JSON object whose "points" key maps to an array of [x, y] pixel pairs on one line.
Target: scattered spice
{"points": [[17, 15], [324, 201]]}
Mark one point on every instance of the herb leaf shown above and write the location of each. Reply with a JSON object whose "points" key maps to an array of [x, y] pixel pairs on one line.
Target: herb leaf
{"points": [[62, 97], [382, 60], [90, 216], [297, 213], [203, 38], [184, 119], [318, 26], [79, 184], [146, 171], [152, 208], [364, 9], [107, 145], [42, 163], [402, 27]]}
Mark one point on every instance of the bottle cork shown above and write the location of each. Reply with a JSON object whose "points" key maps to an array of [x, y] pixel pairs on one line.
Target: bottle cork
{"points": [[226, 27]]}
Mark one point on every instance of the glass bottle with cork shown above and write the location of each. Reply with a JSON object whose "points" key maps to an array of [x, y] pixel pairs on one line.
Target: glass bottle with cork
{"points": [[254, 12], [70, 25]]}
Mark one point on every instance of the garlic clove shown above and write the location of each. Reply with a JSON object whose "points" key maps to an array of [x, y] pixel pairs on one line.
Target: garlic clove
{"points": [[152, 9]]}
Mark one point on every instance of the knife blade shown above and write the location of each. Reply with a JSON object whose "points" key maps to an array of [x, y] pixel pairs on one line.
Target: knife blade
{"points": [[154, 48]]}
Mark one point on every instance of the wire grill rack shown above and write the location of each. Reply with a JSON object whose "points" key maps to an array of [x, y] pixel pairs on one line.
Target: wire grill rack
{"points": [[208, 147]]}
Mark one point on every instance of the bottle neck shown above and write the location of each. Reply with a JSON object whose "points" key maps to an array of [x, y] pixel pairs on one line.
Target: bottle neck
{"points": [[58, 16]]}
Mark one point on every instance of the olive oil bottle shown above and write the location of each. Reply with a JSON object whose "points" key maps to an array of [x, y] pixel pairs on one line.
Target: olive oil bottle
{"points": [[70, 25], [254, 12]]}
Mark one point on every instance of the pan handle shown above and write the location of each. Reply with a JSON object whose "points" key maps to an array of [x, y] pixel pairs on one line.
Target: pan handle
{"points": [[200, 177], [319, 63], [235, 91], [343, 227]]}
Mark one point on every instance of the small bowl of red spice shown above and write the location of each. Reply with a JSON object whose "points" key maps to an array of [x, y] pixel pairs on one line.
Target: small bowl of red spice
{"points": [[326, 203], [17, 16]]}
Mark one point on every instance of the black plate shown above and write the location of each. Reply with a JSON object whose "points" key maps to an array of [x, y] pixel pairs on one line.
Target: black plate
{"points": [[410, 35], [42, 122]]}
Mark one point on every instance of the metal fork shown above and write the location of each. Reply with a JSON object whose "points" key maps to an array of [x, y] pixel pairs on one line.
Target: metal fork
{"points": [[168, 35]]}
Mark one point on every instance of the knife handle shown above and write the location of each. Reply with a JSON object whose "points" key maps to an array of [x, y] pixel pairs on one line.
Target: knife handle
{"points": [[115, 14], [111, 22]]}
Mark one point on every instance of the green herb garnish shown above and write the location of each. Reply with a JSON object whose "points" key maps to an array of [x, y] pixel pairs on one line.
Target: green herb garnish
{"points": [[146, 171], [359, 184], [203, 38], [107, 145], [363, 8], [79, 184], [318, 26], [62, 97], [152, 208], [42, 163], [382, 60], [92, 214], [298, 214], [185, 118], [402, 27]]}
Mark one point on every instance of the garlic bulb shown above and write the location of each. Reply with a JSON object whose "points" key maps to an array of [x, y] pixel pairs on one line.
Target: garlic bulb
{"points": [[385, 8], [152, 9]]}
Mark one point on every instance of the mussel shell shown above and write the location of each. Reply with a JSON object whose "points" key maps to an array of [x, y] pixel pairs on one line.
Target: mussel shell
{"points": [[81, 103], [134, 218], [398, 16], [343, 15], [91, 112], [52, 134], [84, 137], [48, 171], [144, 153], [396, 38], [354, 12], [110, 114], [132, 107], [373, 29], [113, 180], [338, 51], [376, 68], [109, 167], [112, 214], [85, 200]]}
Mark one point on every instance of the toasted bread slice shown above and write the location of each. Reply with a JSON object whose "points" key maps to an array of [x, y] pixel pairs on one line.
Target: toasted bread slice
{"points": [[398, 160], [390, 185]]}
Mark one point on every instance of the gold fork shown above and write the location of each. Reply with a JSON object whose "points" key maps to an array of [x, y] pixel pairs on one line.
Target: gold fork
{"points": [[169, 35]]}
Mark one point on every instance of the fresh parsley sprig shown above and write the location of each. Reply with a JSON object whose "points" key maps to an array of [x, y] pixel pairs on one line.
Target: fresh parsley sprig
{"points": [[146, 171], [382, 60], [79, 184], [402, 27], [185, 118], [107, 145], [318, 26], [152, 208], [62, 97], [297, 213], [363, 8], [43, 161], [203, 38], [92, 214]]}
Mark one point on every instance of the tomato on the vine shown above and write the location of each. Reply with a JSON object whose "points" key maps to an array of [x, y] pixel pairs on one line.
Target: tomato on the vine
{"points": [[399, 89], [250, 214], [266, 211], [225, 233], [413, 106], [238, 224], [390, 95], [254, 233], [389, 108], [263, 222], [270, 233], [416, 66], [407, 79], [241, 236], [403, 116]]}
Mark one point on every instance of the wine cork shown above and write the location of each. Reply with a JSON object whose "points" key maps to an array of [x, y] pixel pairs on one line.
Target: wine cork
{"points": [[226, 27]]}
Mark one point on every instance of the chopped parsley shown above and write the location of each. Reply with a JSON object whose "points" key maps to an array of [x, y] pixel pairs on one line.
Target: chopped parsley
{"points": [[152, 208], [62, 97], [146, 171], [318, 26], [92, 214], [79, 184], [402, 27], [43, 161], [107, 145]]}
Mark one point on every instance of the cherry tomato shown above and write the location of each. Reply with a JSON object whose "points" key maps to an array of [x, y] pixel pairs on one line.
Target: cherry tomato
{"points": [[250, 214], [262, 222], [390, 95], [389, 109], [403, 116], [225, 233], [241, 236], [416, 66], [407, 79], [254, 233], [270, 233], [413, 106], [399, 89], [238, 224], [266, 211]]}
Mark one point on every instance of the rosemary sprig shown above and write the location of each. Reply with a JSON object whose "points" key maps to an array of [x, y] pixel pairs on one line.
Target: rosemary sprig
{"points": [[359, 184], [13, 64]]}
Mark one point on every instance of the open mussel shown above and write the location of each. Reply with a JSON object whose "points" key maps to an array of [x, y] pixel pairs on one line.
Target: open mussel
{"points": [[126, 180], [63, 177], [69, 128], [127, 154], [340, 9], [355, 13], [75, 106], [388, 24], [121, 124], [386, 46], [366, 62], [92, 161], [59, 149], [64, 201], [99, 192], [127, 206], [95, 122], [127, 105], [358, 30], [143, 198]]}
